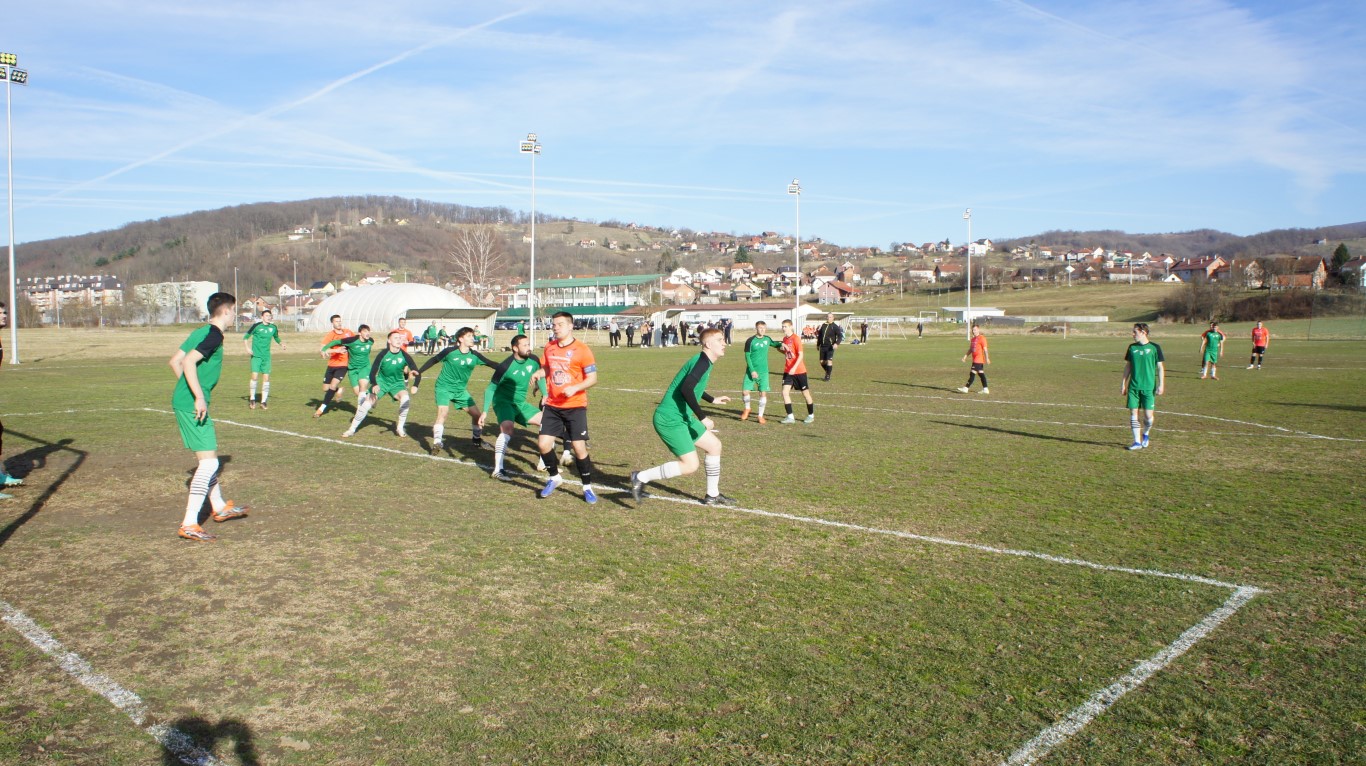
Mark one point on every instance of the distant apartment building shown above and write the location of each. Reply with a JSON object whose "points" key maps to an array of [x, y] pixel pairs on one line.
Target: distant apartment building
{"points": [[45, 293], [179, 301]]}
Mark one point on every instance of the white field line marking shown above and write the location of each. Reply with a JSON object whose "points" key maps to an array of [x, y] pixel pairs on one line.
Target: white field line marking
{"points": [[127, 702], [1280, 432], [1279, 357], [1055, 735], [1036, 748]]}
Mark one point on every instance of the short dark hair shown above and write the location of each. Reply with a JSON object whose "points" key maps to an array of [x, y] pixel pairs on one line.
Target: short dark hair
{"points": [[267, 311], [1141, 327], [462, 332], [564, 314], [218, 301], [517, 339], [334, 316], [362, 328]]}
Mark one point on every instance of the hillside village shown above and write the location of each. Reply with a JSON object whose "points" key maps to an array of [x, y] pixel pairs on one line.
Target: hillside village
{"points": [[579, 263]]}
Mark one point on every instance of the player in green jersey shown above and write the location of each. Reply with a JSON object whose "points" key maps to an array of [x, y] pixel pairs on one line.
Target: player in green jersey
{"points": [[506, 398], [358, 348], [1211, 348], [1145, 378], [684, 428], [257, 340], [429, 337], [452, 386], [390, 375], [198, 364], [757, 347]]}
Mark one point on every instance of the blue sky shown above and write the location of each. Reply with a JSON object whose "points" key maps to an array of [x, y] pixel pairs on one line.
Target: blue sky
{"points": [[1164, 115]]}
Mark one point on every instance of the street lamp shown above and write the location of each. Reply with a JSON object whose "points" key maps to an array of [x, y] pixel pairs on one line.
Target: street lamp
{"points": [[795, 189], [10, 74], [237, 314], [295, 296], [967, 216], [532, 146]]}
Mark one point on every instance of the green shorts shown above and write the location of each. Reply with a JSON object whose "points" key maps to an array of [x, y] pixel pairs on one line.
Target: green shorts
{"points": [[750, 384], [260, 363], [453, 397], [520, 413], [392, 390], [354, 377], [1211, 358], [680, 438], [1141, 400], [198, 435]]}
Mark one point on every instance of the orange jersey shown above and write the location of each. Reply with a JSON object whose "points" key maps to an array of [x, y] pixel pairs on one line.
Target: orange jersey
{"points": [[406, 333], [978, 348], [792, 351], [1260, 335], [337, 356], [566, 366]]}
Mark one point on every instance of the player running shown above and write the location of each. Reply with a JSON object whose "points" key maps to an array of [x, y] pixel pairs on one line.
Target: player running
{"points": [[977, 350], [198, 364], [1145, 378], [1211, 348], [570, 370], [506, 398], [358, 348], [452, 385], [257, 341], [390, 376], [337, 362], [794, 373], [1260, 338], [757, 347], [684, 428]]}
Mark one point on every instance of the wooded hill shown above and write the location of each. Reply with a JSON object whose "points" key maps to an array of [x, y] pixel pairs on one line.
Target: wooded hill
{"points": [[417, 237]]}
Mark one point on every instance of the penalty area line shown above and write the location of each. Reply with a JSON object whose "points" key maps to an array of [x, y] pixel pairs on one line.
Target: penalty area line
{"points": [[127, 702]]}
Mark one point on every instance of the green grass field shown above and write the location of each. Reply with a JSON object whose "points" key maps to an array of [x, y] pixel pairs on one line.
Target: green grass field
{"points": [[384, 606]]}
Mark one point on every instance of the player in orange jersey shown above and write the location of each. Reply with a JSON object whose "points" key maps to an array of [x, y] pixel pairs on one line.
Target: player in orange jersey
{"points": [[794, 373]]}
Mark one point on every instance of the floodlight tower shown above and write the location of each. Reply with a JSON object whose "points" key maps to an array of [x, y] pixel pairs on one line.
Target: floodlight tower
{"points": [[532, 146], [795, 189], [967, 316], [10, 73]]}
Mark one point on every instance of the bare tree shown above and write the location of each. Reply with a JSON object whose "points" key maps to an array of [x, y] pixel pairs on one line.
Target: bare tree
{"points": [[477, 256]]}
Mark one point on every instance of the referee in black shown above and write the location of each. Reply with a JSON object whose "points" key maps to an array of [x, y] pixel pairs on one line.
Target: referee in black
{"points": [[828, 338]]}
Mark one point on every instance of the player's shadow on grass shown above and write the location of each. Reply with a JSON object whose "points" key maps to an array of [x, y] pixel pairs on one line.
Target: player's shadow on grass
{"points": [[914, 385], [335, 406], [1343, 407], [201, 739], [1023, 433], [24, 464]]}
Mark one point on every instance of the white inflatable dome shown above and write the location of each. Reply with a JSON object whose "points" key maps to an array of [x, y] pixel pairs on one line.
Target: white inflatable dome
{"points": [[380, 306]]}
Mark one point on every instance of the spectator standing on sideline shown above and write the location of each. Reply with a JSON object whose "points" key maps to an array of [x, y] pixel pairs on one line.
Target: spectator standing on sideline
{"points": [[613, 334], [919, 329], [863, 333], [630, 334]]}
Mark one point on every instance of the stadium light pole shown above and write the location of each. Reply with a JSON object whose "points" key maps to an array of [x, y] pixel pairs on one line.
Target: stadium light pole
{"points": [[967, 216], [532, 147], [237, 313], [11, 74], [795, 189]]}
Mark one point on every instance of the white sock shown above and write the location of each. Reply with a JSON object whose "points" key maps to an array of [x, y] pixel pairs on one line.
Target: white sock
{"points": [[438, 431], [403, 413], [746, 398], [265, 391], [1138, 431], [500, 448], [252, 398], [712, 465], [1148, 427], [763, 404], [216, 501], [199, 487], [362, 410], [667, 471]]}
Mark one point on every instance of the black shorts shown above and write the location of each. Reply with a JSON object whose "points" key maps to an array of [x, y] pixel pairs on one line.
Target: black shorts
{"points": [[827, 353], [797, 381], [334, 373], [570, 424], [979, 367], [1261, 350]]}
